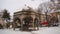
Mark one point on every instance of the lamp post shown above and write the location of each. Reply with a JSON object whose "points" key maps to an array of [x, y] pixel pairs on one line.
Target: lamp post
{"points": [[47, 16]]}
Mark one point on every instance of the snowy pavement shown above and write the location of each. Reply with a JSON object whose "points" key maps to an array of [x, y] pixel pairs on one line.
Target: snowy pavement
{"points": [[42, 30]]}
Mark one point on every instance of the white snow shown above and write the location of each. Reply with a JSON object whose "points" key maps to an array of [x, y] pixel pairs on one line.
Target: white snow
{"points": [[42, 30]]}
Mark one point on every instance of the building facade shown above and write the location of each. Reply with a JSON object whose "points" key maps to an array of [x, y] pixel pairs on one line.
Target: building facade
{"points": [[28, 17], [52, 8]]}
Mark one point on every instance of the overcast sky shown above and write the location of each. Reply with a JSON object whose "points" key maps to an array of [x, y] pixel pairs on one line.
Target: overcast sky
{"points": [[15, 5]]}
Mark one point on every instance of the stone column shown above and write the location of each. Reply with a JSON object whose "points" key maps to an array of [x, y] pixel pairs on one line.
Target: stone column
{"points": [[21, 24], [38, 23], [33, 24], [13, 25], [59, 19], [33, 16]]}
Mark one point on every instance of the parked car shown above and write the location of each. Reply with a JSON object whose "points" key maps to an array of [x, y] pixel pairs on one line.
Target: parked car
{"points": [[44, 23]]}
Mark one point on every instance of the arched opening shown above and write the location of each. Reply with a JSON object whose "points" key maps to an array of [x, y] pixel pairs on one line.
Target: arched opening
{"points": [[28, 20], [54, 21], [17, 23], [36, 23]]}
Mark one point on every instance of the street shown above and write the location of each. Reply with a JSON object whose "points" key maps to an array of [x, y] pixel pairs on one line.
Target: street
{"points": [[42, 30]]}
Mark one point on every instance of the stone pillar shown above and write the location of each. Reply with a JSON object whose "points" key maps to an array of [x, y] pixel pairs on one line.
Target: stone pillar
{"points": [[21, 24], [33, 16], [59, 19], [13, 25], [21, 17], [33, 24], [38, 23]]}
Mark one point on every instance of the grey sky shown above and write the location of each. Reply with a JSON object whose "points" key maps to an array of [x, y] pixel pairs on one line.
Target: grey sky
{"points": [[15, 5]]}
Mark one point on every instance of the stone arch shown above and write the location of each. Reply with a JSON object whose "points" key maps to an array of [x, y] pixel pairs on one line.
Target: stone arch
{"points": [[17, 22], [28, 19], [36, 22]]}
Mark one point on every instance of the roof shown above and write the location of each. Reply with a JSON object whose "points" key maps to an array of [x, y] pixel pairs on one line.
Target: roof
{"points": [[28, 11]]}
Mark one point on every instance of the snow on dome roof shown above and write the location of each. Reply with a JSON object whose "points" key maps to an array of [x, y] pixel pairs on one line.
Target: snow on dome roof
{"points": [[28, 8]]}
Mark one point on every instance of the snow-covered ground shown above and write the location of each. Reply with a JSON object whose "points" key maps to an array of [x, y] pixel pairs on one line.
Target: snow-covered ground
{"points": [[42, 30]]}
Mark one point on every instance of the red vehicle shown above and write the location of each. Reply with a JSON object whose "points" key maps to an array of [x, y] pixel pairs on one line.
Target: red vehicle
{"points": [[44, 23]]}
